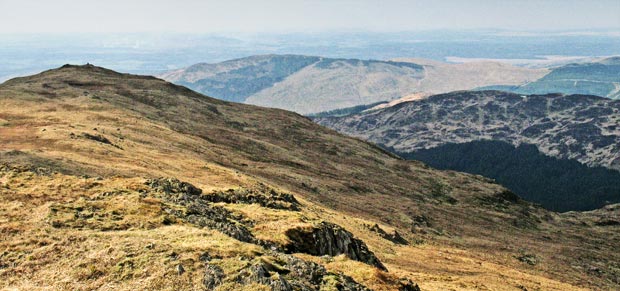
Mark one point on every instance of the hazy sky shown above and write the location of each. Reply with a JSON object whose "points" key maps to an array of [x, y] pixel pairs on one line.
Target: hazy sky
{"points": [[210, 16]]}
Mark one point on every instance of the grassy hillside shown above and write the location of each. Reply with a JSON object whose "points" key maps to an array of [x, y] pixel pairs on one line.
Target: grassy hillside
{"points": [[253, 199]]}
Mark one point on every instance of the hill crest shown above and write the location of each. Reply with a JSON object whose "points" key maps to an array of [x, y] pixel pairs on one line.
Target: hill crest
{"points": [[114, 135]]}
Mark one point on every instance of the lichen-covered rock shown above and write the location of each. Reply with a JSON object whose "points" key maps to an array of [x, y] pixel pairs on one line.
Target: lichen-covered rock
{"points": [[340, 283], [213, 277], [173, 185], [279, 284], [198, 210], [262, 195], [282, 272], [294, 267], [254, 274], [330, 239], [216, 217]]}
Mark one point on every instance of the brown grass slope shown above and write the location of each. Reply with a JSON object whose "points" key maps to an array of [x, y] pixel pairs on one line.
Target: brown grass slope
{"points": [[464, 232]]}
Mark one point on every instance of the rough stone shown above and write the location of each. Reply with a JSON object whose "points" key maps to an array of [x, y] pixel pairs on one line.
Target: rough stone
{"points": [[213, 277], [173, 185], [261, 195], [180, 269], [408, 285], [529, 259], [394, 237], [330, 239], [198, 210], [295, 274]]}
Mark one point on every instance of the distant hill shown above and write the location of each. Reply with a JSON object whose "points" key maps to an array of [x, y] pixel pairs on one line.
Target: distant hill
{"points": [[236, 80], [308, 84], [304, 84], [580, 127], [557, 184], [441, 77], [600, 78]]}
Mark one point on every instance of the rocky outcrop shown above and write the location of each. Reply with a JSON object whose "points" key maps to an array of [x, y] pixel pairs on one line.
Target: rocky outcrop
{"points": [[322, 239], [330, 239], [394, 237], [96, 137], [341, 283], [422, 224], [198, 210], [173, 186], [256, 273], [408, 285], [283, 272], [213, 277], [262, 195], [529, 259]]}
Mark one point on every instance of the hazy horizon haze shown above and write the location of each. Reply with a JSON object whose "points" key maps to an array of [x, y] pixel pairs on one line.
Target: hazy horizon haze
{"points": [[281, 16]]}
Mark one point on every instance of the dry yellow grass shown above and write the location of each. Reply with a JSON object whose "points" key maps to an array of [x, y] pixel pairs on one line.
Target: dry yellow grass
{"points": [[135, 250], [120, 241], [53, 248], [271, 224]]}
